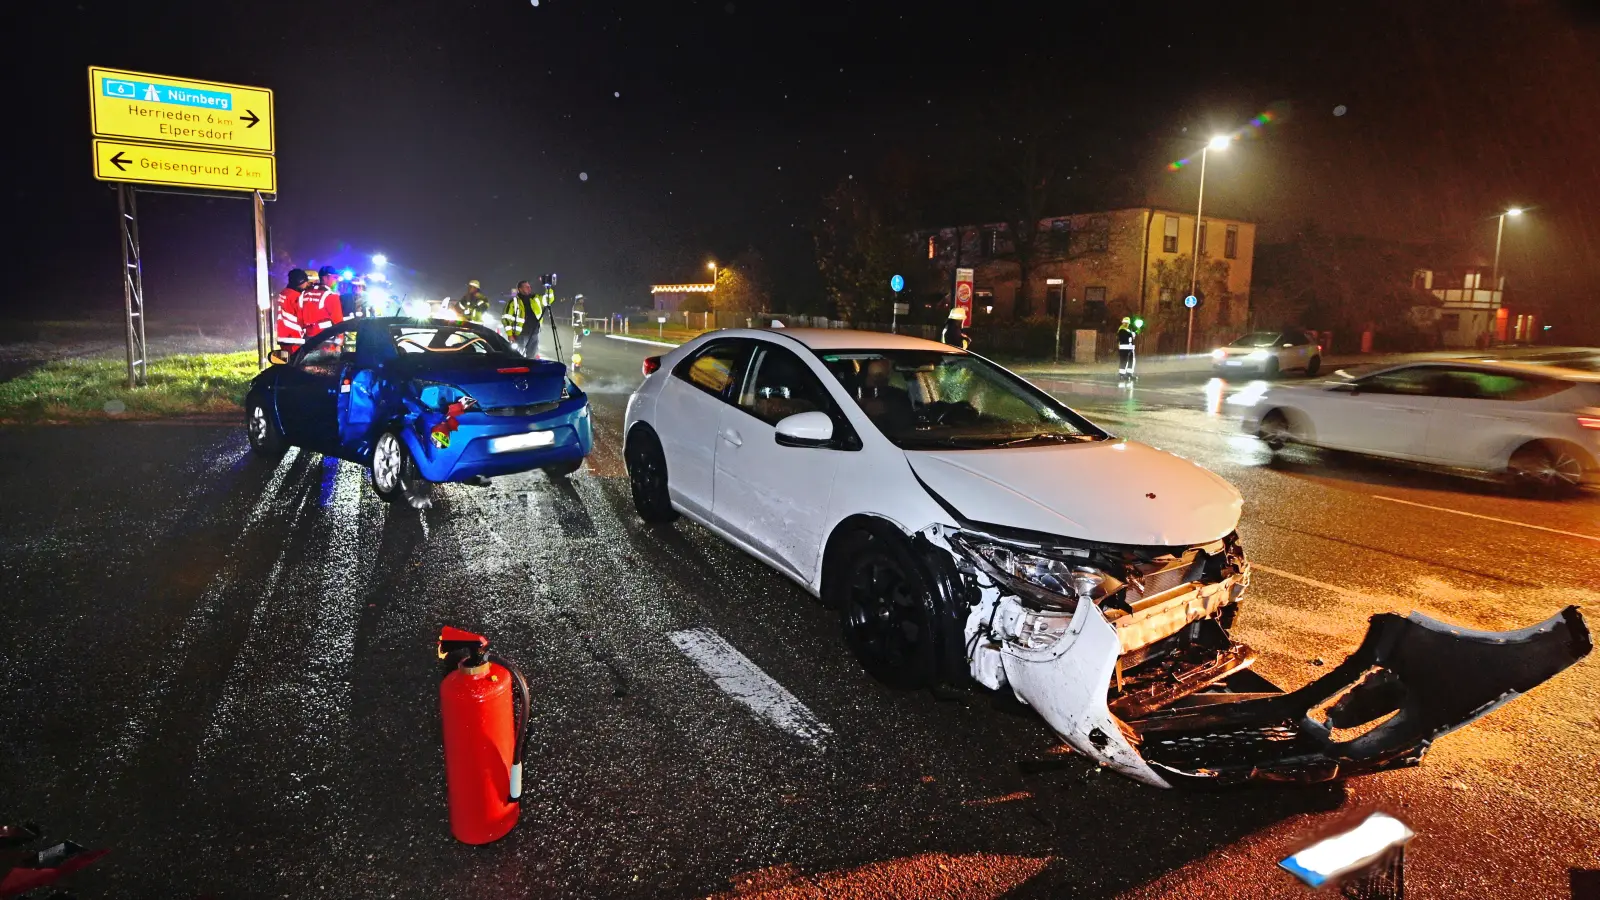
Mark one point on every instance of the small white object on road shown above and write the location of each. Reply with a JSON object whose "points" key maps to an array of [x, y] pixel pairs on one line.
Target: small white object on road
{"points": [[744, 681]]}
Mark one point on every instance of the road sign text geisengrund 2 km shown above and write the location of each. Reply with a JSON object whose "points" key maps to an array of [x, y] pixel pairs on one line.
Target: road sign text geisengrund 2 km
{"points": [[164, 109], [184, 167]]}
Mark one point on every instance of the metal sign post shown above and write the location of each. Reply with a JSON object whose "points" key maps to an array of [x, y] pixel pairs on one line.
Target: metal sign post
{"points": [[898, 284], [263, 289], [132, 286]]}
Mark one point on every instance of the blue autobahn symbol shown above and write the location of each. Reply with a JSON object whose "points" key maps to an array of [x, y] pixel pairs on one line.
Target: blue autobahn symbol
{"points": [[166, 93]]}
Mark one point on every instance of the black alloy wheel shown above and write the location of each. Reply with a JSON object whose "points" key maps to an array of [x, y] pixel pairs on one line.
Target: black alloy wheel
{"points": [[647, 476], [1543, 467], [1275, 431], [886, 610], [1313, 367]]}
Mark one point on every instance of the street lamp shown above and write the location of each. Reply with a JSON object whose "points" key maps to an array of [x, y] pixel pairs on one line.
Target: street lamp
{"points": [[1499, 232], [1220, 142], [379, 260], [713, 267]]}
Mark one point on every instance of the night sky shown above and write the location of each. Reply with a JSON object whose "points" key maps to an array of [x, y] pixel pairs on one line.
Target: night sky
{"points": [[455, 136]]}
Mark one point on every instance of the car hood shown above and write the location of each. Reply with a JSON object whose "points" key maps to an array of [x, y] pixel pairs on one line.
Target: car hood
{"points": [[1114, 492]]}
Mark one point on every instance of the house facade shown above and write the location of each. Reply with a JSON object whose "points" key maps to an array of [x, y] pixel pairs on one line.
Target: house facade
{"points": [[1090, 269], [1473, 312]]}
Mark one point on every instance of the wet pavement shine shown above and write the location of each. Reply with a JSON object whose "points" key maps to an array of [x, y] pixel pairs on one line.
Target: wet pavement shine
{"points": [[222, 669]]}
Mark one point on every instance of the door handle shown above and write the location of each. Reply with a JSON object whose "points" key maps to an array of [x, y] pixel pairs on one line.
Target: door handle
{"points": [[733, 438]]}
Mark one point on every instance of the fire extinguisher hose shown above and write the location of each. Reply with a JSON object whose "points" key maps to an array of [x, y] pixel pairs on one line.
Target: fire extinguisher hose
{"points": [[522, 724]]}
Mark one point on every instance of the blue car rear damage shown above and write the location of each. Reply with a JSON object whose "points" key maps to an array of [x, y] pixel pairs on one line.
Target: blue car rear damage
{"points": [[447, 404]]}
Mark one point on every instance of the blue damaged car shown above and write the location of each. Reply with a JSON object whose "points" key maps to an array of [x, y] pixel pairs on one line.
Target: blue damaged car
{"points": [[418, 402]]}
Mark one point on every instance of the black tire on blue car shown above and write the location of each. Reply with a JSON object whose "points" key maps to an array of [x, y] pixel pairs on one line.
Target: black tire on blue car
{"points": [[394, 473], [562, 470], [266, 439], [647, 476], [887, 609]]}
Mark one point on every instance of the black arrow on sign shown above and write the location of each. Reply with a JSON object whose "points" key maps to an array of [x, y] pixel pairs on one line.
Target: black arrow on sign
{"points": [[119, 162], [251, 117]]}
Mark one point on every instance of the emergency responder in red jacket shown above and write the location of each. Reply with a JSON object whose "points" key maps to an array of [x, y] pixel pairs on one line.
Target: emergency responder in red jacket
{"points": [[320, 309], [291, 334]]}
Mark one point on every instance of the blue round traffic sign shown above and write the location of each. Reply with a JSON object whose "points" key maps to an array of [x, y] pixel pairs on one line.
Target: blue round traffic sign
{"points": [[898, 283], [1191, 301]]}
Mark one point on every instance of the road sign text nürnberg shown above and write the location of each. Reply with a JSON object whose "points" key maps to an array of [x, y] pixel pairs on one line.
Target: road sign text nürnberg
{"points": [[143, 107]]}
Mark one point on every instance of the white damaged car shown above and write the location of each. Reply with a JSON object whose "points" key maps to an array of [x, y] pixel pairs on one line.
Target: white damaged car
{"points": [[969, 527]]}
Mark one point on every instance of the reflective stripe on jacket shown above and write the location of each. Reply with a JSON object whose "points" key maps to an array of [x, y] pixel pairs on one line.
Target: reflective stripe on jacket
{"points": [[288, 325], [319, 310]]}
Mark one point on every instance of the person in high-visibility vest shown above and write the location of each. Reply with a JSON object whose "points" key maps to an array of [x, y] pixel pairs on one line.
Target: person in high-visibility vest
{"points": [[522, 318], [473, 304], [319, 308], [1126, 336]]}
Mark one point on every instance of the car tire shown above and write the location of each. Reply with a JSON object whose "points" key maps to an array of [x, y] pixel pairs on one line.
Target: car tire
{"points": [[887, 609], [647, 476], [562, 470], [1270, 370], [394, 473], [1275, 430], [1549, 467], [1313, 366], [266, 438]]}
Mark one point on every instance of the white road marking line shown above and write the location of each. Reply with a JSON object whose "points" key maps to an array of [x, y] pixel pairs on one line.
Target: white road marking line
{"points": [[633, 340], [1322, 585], [1585, 537], [742, 680]]}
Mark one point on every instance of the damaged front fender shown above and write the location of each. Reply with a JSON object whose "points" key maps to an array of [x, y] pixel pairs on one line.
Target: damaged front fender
{"points": [[1411, 681]]}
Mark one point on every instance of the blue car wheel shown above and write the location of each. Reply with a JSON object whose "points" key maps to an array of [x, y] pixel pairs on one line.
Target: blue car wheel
{"points": [[262, 429], [394, 472]]}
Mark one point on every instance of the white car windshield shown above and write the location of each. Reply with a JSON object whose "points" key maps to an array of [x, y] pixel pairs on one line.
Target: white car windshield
{"points": [[1257, 339], [925, 399]]}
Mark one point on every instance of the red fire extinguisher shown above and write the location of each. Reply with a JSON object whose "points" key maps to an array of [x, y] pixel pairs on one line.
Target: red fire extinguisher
{"points": [[483, 738]]}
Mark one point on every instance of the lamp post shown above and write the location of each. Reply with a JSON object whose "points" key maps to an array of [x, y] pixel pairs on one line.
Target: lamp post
{"points": [[1499, 232], [1220, 142], [379, 260]]}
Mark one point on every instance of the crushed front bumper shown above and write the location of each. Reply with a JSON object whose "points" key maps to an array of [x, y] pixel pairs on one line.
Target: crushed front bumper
{"points": [[1197, 717]]}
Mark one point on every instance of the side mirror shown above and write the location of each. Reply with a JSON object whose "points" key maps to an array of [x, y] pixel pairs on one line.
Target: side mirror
{"points": [[807, 429]]}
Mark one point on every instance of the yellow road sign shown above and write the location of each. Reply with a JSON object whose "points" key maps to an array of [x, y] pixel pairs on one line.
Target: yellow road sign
{"points": [[171, 110], [184, 167]]}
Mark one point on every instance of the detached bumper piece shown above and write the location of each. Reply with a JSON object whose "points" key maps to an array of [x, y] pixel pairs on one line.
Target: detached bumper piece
{"points": [[1411, 681]]}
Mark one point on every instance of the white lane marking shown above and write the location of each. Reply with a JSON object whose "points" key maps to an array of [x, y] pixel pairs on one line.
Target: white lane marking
{"points": [[1585, 537], [742, 680], [633, 340], [1323, 585]]}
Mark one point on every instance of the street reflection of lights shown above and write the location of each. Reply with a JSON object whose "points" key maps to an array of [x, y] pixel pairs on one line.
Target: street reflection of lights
{"points": [[1214, 389], [1249, 395]]}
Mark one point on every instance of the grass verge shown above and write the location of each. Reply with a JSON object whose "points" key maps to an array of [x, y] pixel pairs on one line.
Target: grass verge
{"points": [[80, 390]]}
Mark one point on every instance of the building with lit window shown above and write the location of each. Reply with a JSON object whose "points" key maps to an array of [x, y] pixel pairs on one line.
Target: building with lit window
{"points": [[1090, 269]]}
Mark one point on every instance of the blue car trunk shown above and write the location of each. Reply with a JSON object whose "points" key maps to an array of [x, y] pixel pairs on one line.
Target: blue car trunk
{"points": [[494, 380]]}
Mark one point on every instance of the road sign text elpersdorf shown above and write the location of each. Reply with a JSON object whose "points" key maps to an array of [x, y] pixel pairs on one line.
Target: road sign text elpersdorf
{"points": [[163, 109]]}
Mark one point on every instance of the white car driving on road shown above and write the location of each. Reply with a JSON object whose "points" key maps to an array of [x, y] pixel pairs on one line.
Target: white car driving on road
{"points": [[1538, 424], [969, 526], [1268, 353]]}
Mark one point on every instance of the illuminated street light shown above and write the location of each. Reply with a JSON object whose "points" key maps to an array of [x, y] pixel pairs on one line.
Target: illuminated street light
{"points": [[1220, 142], [379, 260], [1499, 232], [713, 267]]}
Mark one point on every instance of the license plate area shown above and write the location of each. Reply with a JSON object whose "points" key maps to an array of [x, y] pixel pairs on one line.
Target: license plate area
{"points": [[513, 442]]}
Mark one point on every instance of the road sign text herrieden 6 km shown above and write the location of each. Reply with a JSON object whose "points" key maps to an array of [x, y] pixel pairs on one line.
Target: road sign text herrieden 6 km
{"points": [[160, 108]]}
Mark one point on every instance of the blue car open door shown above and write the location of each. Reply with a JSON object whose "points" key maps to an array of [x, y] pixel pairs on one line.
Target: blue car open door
{"points": [[308, 392], [366, 401]]}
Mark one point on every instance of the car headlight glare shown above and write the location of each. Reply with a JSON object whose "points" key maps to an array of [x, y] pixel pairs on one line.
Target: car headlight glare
{"points": [[1258, 354], [1219, 353]]}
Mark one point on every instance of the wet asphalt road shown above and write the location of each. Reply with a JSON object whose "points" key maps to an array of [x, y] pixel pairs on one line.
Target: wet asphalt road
{"points": [[222, 669]]}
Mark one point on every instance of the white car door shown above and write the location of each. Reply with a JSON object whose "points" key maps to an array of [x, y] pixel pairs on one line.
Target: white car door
{"points": [[1477, 416], [1385, 413], [771, 497], [687, 414]]}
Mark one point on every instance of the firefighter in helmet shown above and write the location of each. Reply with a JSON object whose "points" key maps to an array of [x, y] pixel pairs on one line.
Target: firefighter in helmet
{"points": [[474, 303]]}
